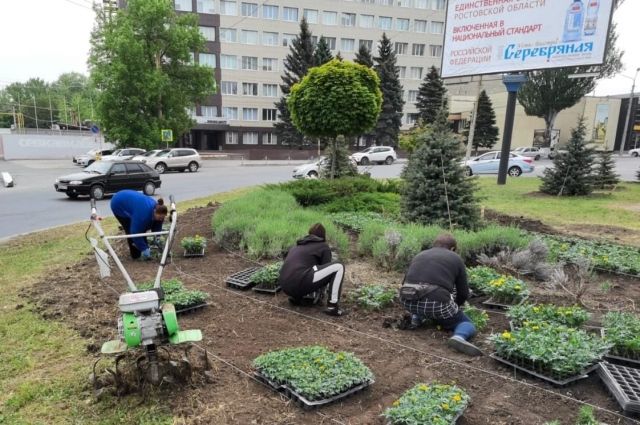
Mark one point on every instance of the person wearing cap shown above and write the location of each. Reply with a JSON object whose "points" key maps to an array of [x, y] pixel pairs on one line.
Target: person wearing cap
{"points": [[435, 287], [308, 269]]}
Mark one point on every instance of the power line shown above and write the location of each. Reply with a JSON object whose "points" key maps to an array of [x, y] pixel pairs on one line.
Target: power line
{"points": [[79, 4]]}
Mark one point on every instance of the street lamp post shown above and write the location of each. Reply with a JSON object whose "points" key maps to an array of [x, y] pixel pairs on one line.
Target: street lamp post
{"points": [[623, 142]]}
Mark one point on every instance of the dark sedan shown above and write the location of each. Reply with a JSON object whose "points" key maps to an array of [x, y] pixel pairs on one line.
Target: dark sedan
{"points": [[104, 177]]}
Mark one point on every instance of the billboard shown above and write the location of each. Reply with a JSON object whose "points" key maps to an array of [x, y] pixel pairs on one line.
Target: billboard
{"points": [[600, 123], [495, 36]]}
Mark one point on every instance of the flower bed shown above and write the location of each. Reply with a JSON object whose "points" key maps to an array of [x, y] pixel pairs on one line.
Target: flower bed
{"points": [[623, 331], [175, 293], [434, 404], [479, 278], [531, 313], [193, 246], [313, 372], [373, 297], [556, 351], [507, 290]]}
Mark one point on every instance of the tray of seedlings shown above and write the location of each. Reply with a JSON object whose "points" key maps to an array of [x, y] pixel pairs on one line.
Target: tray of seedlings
{"points": [[265, 280], [194, 246], [242, 279], [427, 404], [506, 291], [623, 331]]}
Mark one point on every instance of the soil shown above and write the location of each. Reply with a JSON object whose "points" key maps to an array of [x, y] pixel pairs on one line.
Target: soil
{"points": [[240, 325]]}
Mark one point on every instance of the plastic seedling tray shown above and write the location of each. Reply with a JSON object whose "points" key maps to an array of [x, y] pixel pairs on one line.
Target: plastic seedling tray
{"points": [[500, 304], [191, 308], [619, 358], [199, 253], [558, 382], [305, 403], [242, 279], [266, 289], [623, 383]]}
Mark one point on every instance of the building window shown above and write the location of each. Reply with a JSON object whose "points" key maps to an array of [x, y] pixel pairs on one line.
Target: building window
{"points": [[416, 72], [250, 10], [250, 138], [311, 15], [207, 59], [231, 138], [228, 62], [331, 41], [401, 48], [228, 35], [420, 26], [249, 89], [269, 64], [209, 33], [347, 44], [384, 22], [184, 5], [269, 139], [405, 3], [366, 21], [435, 50], [422, 4], [439, 4], [402, 71], [230, 112], [250, 114], [413, 95], [437, 27], [348, 19], [290, 14], [248, 37], [287, 39], [402, 24], [270, 38], [228, 7], [228, 87], [270, 90], [269, 114], [367, 43], [417, 49], [209, 111], [250, 63], [412, 118], [206, 6], [269, 12], [329, 17]]}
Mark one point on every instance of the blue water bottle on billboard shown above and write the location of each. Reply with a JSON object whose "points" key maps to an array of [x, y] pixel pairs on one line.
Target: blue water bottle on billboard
{"points": [[591, 20], [573, 22]]}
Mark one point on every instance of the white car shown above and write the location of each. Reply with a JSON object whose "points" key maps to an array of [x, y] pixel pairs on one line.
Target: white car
{"points": [[148, 154], [311, 170], [635, 152], [179, 159], [91, 156], [378, 154], [120, 154], [535, 153]]}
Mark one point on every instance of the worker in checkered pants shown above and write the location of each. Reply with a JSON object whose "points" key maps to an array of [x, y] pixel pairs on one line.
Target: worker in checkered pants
{"points": [[441, 275]]}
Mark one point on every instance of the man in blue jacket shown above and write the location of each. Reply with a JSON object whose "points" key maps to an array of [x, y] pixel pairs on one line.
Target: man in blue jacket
{"points": [[138, 213]]}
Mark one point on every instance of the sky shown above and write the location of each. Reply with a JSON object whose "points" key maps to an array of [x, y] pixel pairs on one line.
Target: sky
{"points": [[45, 38]]}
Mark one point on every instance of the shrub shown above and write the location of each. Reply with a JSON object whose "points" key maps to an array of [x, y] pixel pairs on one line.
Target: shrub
{"points": [[356, 221], [387, 204], [479, 277], [507, 290], [479, 317], [175, 293], [573, 317], [373, 297], [434, 404], [193, 244], [268, 275], [623, 331]]}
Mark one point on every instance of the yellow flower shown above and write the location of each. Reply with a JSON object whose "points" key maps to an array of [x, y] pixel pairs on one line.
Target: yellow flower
{"points": [[445, 406], [506, 335], [457, 397], [396, 403], [536, 309], [535, 328], [517, 287], [423, 387]]}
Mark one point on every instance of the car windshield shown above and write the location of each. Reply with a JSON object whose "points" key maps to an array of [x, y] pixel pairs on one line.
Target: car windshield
{"points": [[367, 150], [98, 167], [151, 153], [116, 152]]}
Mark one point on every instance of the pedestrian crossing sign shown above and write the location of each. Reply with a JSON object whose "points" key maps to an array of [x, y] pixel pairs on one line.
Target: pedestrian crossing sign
{"points": [[167, 135]]}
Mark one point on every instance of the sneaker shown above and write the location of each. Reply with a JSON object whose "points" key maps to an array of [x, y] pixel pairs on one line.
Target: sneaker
{"points": [[460, 344], [334, 311]]}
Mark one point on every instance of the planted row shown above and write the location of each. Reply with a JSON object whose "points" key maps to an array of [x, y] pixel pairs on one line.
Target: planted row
{"points": [[525, 314], [175, 293]]}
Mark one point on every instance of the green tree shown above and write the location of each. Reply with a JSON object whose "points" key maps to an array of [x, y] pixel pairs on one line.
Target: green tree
{"points": [[364, 57], [390, 120], [436, 190], [74, 98], [339, 98], [410, 140], [571, 171], [486, 132], [141, 63], [322, 53], [31, 99], [296, 65], [605, 171], [432, 96], [550, 91]]}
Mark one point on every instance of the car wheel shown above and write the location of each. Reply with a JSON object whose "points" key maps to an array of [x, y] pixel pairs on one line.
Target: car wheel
{"points": [[364, 161], [96, 192], [537, 158], [514, 171], [72, 195], [149, 188], [312, 174], [160, 167], [389, 160], [193, 166], [468, 172], [634, 154]]}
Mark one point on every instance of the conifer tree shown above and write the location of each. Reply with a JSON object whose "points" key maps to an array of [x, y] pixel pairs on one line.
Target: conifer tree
{"points": [[432, 96], [571, 171], [436, 190], [390, 119], [363, 56], [605, 171], [296, 65], [338, 163], [486, 133], [322, 53]]}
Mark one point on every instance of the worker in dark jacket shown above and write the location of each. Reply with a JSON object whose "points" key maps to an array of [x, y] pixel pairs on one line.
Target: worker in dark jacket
{"points": [[308, 268], [435, 287], [138, 213]]}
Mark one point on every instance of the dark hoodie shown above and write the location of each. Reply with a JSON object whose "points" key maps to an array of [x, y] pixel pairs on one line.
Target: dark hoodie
{"points": [[298, 263]]}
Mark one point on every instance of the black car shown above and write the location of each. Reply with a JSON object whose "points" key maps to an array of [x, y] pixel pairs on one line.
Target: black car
{"points": [[103, 177]]}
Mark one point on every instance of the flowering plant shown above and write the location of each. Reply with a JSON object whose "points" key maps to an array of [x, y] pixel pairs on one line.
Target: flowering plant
{"points": [[479, 277], [193, 244], [569, 316], [435, 404], [507, 289]]}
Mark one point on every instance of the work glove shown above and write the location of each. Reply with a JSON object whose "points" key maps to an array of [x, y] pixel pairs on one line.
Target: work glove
{"points": [[146, 254]]}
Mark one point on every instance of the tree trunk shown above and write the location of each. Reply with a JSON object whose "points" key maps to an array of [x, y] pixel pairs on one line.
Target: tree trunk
{"points": [[550, 120], [334, 145]]}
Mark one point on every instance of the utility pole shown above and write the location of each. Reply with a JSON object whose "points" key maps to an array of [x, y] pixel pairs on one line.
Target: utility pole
{"points": [[623, 142], [35, 110], [50, 111], [472, 130]]}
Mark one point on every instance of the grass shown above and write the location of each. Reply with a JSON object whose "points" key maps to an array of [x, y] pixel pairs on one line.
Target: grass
{"points": [[44, 366], [584, 215]]}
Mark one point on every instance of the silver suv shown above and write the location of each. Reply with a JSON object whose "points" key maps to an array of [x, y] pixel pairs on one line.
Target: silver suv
{"points": [[378, 154], [180, 159]]}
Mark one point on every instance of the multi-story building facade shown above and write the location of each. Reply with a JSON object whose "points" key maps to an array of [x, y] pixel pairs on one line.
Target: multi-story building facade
{"points": [[247, 42]]}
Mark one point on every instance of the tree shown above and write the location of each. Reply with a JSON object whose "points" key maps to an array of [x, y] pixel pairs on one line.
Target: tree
{"points": [[363, 56], [436, 191], [550, 91], [296, 65], [605, 171], [141, 62], [390, 119], [571, 171], [31, 99], [486, 132], [339, 98], [432, 96], [322, 53]]}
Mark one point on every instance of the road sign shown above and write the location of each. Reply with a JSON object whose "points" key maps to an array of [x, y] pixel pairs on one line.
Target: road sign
{"points": [[636, 127], [167, 135], [95, 129]]}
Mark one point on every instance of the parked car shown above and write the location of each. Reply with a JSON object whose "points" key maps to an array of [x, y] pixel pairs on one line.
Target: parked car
{"points": [[180, 159], [148, 154], [635, 152], [556, 152], [91, 156], [490, 162], [122, 154], [377, 154], [311, 170], [104, 177], [535, 153]]}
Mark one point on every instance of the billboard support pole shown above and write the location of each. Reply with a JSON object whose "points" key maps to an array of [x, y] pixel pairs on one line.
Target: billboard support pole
{"points": [[513, 82]]}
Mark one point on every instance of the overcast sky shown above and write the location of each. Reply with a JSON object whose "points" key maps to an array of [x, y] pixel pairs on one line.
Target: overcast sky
{"points": [[45, 38]]}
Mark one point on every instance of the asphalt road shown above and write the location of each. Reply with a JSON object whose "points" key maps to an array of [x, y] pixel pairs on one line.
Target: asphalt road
{"points": [[34, 205]]}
